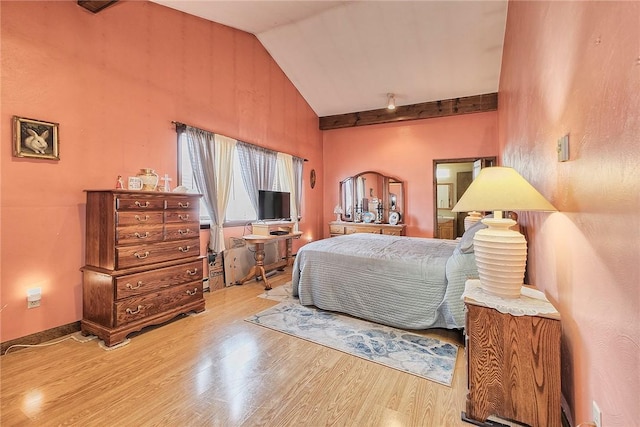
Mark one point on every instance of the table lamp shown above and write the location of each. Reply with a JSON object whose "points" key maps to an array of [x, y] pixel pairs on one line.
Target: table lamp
{"points": [[338, 211], [501, 253]]}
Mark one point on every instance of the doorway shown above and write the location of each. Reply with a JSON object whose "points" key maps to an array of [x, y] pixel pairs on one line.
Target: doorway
{"points": [[451, 178]]}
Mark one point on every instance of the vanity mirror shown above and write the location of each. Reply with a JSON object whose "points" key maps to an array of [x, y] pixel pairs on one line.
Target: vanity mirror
{"points": [[374, 193], [444, 196]]}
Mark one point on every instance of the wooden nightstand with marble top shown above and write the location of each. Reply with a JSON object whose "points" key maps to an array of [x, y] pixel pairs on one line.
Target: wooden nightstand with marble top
{"points": [[513, 358]]}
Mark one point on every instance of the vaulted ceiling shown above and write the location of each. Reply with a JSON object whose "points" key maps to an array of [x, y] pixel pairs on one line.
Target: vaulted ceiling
{"points": [[346, 56]]}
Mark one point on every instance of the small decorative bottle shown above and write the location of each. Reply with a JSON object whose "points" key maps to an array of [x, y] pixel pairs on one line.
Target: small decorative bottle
{"points": [[358, 216], [149, 179], [380, 211]]}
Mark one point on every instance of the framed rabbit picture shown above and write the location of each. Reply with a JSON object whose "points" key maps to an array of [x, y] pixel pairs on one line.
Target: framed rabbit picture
{"points": [[35, 139]]}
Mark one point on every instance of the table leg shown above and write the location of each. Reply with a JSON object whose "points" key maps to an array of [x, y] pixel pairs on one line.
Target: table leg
{"points": [[289, 257], [258, 269]]}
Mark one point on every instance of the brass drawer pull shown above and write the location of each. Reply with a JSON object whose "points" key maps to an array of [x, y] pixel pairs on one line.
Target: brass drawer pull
{"points": [[195, 291], [137, 286], [139, 218], [140, 236], [183, 232], [141, 256], [129, 311], [185, 205], [140, 205], [184, 217], [192, 272], [185, 249]]}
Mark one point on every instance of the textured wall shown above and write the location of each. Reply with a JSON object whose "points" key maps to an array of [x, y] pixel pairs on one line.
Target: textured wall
{"points": [[115, 81], [406, 151], [574, 67]]}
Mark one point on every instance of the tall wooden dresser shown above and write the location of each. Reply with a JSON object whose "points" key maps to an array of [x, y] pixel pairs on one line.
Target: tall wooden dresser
{"points": [[143, 264]]}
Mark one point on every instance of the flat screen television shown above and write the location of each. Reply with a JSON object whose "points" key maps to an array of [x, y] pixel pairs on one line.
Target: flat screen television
{"points": [[274, 205]]}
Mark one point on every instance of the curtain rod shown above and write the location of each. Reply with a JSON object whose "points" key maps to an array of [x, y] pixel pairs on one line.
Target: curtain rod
{"points": [[180, 124]]}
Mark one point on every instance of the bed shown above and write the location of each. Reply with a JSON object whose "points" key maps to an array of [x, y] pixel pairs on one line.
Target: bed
{"points": [[404, 282]]}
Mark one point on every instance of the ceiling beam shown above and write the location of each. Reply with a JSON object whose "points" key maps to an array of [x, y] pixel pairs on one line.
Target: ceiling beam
{"points": [[425, 110], [95, 6]]}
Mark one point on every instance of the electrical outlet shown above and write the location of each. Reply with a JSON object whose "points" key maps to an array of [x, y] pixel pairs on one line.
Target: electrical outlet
{"points": [[596, 414], [33, 297]]}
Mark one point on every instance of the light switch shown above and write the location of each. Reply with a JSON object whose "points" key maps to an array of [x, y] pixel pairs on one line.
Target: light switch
{"points": [[563, 148]]}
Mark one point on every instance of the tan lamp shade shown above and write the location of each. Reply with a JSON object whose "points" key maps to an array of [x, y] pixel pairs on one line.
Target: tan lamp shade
{"points": [[501, 189], [501, 253]]}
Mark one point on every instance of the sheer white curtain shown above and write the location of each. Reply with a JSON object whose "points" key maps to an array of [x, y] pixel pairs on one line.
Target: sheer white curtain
{"points": [[224, 147], [212, 164], [286, 178]]}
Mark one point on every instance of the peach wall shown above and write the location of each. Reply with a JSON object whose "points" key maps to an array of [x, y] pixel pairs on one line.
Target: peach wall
{"points": [[115, 81], [575, 67], [406, 151]]}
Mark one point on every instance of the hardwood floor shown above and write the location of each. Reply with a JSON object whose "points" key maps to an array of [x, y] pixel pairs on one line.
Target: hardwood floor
{"points": [[215, 369]]}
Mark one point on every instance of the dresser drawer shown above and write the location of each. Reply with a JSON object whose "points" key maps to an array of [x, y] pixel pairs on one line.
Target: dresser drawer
{"points": [[137, 234], [154, 280], [182, 231], [138, 218], [183, 203], [391, 232], [139, 307], [139, 255], [139, 202], [182, 216], [355, 229], [336, 229]]}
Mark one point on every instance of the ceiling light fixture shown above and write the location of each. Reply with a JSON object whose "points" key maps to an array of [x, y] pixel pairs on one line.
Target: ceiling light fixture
{"points": [[391, 101]]}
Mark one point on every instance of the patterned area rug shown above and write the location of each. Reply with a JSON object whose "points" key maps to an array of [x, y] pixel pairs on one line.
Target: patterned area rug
{"points": [[279, 293], [425, 357]]}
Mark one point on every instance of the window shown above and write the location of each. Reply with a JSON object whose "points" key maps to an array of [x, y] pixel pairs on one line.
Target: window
{"points": [[240, 210], [240, 207]]}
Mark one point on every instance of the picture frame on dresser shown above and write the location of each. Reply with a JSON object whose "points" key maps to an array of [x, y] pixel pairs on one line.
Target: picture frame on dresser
{"points": [[36, 139]]}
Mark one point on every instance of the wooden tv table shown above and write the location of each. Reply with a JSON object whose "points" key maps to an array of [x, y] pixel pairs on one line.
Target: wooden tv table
{"points": [[261, 233]]}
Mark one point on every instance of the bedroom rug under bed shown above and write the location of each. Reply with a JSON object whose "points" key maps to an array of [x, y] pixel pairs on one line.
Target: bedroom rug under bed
{"points": [[424, 357]]}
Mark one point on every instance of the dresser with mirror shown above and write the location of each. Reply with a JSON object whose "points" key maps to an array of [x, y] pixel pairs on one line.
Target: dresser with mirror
{"points": [[370, 202]]}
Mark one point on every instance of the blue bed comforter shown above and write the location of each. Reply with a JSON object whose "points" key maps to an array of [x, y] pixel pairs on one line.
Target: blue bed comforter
{"points": [[404, 282]]}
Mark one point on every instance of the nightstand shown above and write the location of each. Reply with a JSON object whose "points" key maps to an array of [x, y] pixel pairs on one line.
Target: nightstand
{"points": [[513, 358]]}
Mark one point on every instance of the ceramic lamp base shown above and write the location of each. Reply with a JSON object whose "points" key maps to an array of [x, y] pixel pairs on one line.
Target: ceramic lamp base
{"points": [[501, 257], [471, 219]]}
